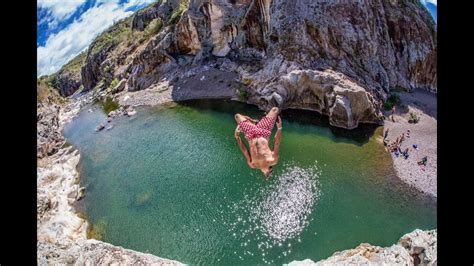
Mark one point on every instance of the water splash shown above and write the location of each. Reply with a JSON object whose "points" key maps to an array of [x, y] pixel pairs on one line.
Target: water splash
{"points": [[284, 212], [272, 216]]}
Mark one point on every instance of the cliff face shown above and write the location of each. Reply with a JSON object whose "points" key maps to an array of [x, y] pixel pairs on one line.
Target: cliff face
{"points": [[340, 58]]}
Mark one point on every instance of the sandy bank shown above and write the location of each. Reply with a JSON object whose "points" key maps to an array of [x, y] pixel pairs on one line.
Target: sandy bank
{"points": [[423, 134]]}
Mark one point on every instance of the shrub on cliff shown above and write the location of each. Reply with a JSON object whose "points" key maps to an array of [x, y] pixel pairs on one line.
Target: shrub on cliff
{"points": [[243, 93], [154, 27], [394, 99], [113, 83], [176, 15]]}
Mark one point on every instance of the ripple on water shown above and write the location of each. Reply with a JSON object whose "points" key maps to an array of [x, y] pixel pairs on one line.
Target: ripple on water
{"points": [[271, 216]]}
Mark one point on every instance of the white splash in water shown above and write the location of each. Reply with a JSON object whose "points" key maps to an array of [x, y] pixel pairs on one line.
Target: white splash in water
{"points": [[278, 212], [288, 203]]}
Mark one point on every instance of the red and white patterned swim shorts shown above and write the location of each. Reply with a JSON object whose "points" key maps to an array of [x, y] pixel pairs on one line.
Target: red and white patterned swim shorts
{"points": [[262, 129]]}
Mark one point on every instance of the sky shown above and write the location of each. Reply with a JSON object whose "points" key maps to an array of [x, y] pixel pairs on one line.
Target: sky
{"points": [[68, 27]]}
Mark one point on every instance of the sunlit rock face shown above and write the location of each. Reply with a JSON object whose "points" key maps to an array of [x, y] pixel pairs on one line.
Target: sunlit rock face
{"points": [[330, 93], [415, 248], [376, 45]]}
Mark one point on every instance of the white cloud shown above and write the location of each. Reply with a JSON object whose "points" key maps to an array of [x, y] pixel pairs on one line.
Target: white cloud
{"points": [[76, 37], [61, 9]]}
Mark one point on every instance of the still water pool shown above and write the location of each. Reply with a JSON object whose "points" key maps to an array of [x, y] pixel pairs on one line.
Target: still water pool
{"points": [[172, 181]]}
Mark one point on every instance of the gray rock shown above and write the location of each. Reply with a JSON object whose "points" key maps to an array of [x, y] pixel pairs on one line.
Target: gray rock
{"points": [[100, 127], [417, 245]]}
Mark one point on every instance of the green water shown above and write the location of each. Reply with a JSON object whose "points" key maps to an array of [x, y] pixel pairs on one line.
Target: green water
{"points": [[171, 181]]}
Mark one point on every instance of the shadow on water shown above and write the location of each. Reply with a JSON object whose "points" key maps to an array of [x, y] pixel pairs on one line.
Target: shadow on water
{"points": [[358, 136]]}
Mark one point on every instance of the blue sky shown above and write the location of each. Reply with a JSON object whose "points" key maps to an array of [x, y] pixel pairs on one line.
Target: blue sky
{"points": [[67, 27]]}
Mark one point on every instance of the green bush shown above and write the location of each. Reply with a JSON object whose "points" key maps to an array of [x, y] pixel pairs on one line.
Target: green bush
{"points": [[414, 118], [154, 27], [394, 99], [109, 105], [176, 15], [113, 83], [243, 93]]}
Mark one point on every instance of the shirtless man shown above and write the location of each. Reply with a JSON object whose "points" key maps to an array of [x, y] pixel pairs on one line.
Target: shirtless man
{"points": [[258, 137]]}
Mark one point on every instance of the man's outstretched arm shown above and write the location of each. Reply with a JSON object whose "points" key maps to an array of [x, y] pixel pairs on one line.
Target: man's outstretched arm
{"points": [[276, 145], [242, 147]]}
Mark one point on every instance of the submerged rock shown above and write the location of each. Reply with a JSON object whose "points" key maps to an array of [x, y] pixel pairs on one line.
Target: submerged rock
{"points": [[130, 112], [100, 127]]}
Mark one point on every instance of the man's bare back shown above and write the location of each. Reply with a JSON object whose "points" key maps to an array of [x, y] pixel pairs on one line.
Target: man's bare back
{"points": [[258, 135]]}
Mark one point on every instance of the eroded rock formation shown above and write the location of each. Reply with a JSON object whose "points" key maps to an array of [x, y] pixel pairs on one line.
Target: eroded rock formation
{"points": [[49, 138], [415, 248]]}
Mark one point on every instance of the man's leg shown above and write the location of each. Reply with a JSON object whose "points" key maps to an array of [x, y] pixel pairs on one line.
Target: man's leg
{"points": [[269, 120], [239, 118], [273, 113]]}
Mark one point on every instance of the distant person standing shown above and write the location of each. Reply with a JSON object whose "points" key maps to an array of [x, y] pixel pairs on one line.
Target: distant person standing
{"points": [[385, 135], [393, 113]]}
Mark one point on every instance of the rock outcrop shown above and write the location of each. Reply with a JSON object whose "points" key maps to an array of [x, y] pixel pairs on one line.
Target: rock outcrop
{"points": [[61, 233], [330, 93], [416, 248], [67, 83], [49, 138]]}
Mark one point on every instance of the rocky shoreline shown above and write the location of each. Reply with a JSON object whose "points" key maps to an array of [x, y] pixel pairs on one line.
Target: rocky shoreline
{"points": [[62, 234], [415, 248]]}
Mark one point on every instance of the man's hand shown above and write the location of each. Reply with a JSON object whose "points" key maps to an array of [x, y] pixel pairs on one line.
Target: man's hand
{"points": [[279, 123], [237, 133]]}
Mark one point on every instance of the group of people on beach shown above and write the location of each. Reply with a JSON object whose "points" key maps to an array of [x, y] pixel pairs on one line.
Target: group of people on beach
{"points": [[395, 147]]}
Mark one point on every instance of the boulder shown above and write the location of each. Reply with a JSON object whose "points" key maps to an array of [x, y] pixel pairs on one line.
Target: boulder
{"points": [[330, 93], [100, 127], [418, 246]]}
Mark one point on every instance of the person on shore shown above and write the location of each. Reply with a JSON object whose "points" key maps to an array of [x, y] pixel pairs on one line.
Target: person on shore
{"points": [[408, 133], [385, 135], [405, 153], [258, 138], [393, 113], [423, 161]]}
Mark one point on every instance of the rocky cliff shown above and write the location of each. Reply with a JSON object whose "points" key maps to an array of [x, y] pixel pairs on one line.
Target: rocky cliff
{"points": [[415, 248], [340, 58]]}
